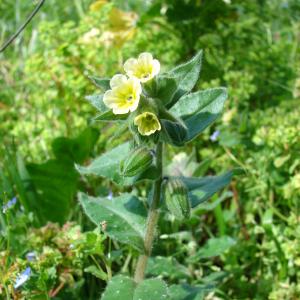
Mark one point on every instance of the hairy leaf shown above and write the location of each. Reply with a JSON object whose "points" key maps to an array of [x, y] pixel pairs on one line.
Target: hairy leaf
{"points": [[214, 247], [210, 104], [186, 76], [201, 189], [124, 288], [110, 116], [97, 101], [107, 165], [151, 289], [174, 133], [125, 217], [102, 83], [119, 288], [191, 104]]}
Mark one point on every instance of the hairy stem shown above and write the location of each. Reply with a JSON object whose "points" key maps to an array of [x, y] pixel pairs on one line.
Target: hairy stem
{"points": [[151, 220]]}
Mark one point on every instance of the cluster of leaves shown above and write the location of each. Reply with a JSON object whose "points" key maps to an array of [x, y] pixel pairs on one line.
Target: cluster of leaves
{"points": [[49, 186], [249, 46], [58, 258], [183, 115]]}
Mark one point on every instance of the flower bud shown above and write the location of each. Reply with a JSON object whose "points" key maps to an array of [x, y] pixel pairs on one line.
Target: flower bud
{"points": [[138, 160], [177, 200]]}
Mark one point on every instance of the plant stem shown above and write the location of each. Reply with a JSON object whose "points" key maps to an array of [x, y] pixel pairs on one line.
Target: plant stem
{"points": [[151, 220]]}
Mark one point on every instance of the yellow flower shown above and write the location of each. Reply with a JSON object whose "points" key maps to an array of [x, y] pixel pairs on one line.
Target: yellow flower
{"points": [[147, 123], [124, 95], [95, 6], [144, 68]]}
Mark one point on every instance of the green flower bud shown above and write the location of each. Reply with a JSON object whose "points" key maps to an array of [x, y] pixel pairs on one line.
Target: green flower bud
{"points": [[177, 200], [138, 160]]}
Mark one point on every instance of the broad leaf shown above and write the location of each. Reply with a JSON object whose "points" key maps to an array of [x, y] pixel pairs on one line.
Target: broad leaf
{"points": [[107, 165], [125, 217], [199, 110], [193, 103], [110, 116], [167, 267], [55, 183], [166, 87], [174, 133], [214, 247], [124, 288], [201, 189], [102, 83], [97, 102], [151, 289], [186, 76], [75, 149], [119, 288], [51, 186], [187, 292]]}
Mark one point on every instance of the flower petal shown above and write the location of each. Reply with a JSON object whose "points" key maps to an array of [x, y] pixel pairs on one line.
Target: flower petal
{"points": [[117, 80], [155, 67], [147, 123], [145, 58], [130, 66]]}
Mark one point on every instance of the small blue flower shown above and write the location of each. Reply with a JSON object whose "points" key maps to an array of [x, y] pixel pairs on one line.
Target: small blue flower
{"points": [[9, 204], [31, 256], [214, 136], [22, 278], [110, 195]]}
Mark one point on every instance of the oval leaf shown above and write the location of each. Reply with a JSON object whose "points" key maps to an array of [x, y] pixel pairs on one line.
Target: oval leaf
{"points": [[119, 288], [186, 76], [125, 217], [201, 189]]}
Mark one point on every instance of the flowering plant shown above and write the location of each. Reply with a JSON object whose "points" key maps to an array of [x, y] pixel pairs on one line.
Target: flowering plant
{"points": [[157, 108]]}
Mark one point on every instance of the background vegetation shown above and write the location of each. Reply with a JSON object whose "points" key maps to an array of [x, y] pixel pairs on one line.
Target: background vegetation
{"points": [[242, 244]]}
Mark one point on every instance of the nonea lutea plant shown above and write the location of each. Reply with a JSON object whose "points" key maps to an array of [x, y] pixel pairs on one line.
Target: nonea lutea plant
{"points": [[157, 109]]}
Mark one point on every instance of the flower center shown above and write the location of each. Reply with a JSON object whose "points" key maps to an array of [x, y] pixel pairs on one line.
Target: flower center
{"points": [[145, 76], [129, 98]]}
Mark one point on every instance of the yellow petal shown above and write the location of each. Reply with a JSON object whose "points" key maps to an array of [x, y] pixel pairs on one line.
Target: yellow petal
{"points": [[147, 123], [145, 58], [117, 79], [124, 95]]}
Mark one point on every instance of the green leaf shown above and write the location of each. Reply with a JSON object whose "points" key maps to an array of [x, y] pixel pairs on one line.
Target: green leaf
{"points": [[102, 83], [174, 133], [97, 102], [187, 292], [151, 289], [214, 247], [99, 273], [107, 165], [167, 267], [193, 103], [201, 189], [75, 149], [208, 206], [51, 186], [110, 116], [199, 110], [186, 76], [124, 288], [125, 217], [166, 87], [119, 288], [55, 183]]}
